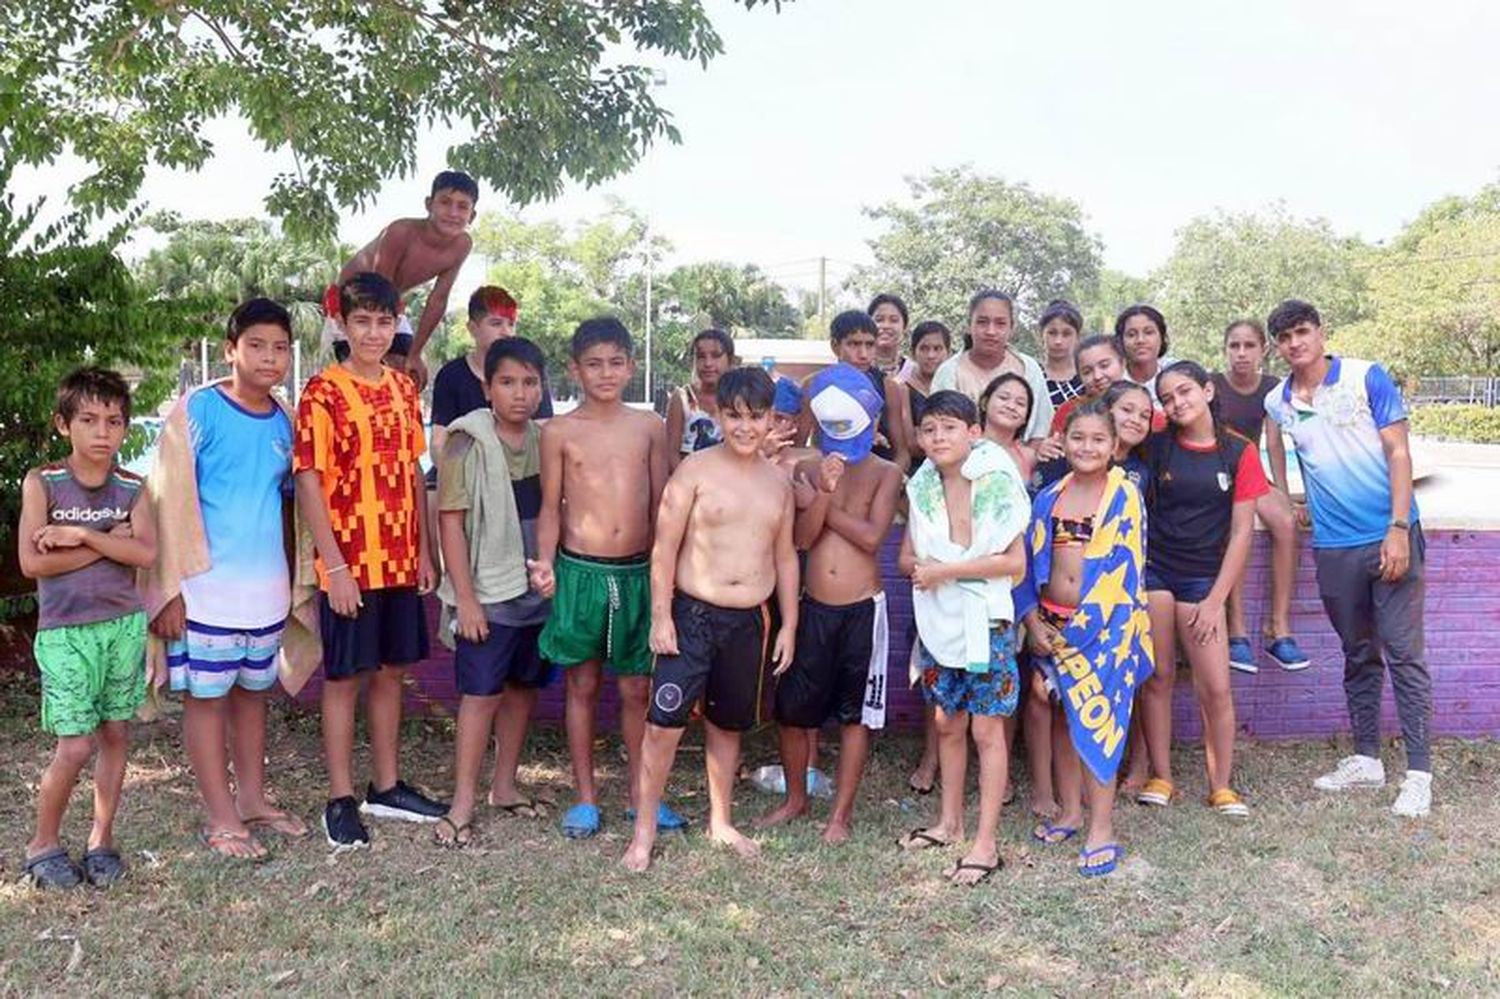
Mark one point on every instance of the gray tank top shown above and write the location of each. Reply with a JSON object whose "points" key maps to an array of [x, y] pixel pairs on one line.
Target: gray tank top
{"points": [[100, 590]]}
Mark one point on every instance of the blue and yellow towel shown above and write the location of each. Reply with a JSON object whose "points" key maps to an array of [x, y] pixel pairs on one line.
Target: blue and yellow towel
{"points": [[1107, 651]]}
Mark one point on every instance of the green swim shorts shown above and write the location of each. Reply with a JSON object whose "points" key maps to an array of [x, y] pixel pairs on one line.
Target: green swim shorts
{"points": [[91, 673], [601, 611]]}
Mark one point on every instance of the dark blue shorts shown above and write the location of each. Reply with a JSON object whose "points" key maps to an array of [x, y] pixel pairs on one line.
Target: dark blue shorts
{"points": [[390, 629], [508, 656], [1184, 589]]}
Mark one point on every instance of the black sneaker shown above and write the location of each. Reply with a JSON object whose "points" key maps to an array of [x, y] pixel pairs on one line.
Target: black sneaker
{"points": [[402, 802], [342, 826]]}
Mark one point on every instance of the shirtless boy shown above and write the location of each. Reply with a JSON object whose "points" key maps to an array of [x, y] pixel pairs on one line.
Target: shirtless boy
{"points": [[409, 253], [843, 639], [603, 468], [723, 546]]}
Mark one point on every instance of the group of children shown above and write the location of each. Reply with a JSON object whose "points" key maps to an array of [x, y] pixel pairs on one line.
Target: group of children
{"points": [[1065, 534]]}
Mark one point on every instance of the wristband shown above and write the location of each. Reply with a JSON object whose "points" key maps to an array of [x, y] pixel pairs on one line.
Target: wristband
{"points": [[341, 567], [1400, 524]]}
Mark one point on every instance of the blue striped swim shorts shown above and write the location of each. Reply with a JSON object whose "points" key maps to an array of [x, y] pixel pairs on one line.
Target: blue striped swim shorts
{"points": [[208, 661]]}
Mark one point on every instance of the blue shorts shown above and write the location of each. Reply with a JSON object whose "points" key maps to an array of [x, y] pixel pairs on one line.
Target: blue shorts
{"points": [[208, 661], [994, 693], [1184, 589], [508, 656]]}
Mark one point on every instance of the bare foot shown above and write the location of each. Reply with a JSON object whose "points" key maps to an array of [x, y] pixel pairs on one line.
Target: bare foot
{"points": [[924, 778], [837, 831], [734, 839], [781, 814], [637, 856], [1133, 784], [1044, 808]]}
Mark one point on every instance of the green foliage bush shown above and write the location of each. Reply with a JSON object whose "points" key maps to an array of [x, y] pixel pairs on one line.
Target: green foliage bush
{"points": [[69, 300], [1458, 422]]}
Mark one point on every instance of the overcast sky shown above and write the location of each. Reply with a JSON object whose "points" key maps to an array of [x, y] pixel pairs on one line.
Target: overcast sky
{"points": [[1146, 113]]}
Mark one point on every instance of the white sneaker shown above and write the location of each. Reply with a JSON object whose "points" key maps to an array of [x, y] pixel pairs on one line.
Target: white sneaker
{"points": [[1415, 799], [1352, 772]]}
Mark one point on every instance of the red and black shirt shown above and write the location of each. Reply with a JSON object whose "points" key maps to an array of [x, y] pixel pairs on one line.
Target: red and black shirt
{"points": [[1191, 499]]}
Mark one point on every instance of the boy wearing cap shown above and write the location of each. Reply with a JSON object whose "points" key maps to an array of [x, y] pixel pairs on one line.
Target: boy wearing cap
{"points": [[843, 639], [852, 336], [723, 547]]}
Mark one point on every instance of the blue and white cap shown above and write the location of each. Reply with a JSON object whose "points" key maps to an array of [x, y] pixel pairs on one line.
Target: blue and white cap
{"points": [[847, 408]]}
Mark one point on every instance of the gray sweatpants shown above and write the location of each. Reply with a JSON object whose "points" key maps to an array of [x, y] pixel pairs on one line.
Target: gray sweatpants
{"points": [[1373, 617]]}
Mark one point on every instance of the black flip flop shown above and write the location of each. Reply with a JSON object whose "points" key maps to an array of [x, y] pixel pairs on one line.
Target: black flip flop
{"points": [[456, 843], [968, 865], [53, 870], [926, 839], [102, 866], [921, 790]]}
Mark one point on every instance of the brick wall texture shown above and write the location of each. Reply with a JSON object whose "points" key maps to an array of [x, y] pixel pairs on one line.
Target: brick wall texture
{"points": [[1463, 653]]}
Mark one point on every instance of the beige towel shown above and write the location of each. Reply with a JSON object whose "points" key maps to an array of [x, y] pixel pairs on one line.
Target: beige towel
{"points": [[182, 551]]}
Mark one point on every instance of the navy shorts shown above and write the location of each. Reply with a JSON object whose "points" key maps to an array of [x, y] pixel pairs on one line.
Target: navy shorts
{"points": [[720, 651], [1184, 589], [508, 656], [390, 629]]}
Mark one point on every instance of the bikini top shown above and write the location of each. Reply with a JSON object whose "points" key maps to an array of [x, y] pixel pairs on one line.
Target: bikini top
{"points": [[1070, 533], [699, 429]]}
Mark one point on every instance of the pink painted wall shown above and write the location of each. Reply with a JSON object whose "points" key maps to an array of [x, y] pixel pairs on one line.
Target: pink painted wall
{"points": [[1463, 645]]}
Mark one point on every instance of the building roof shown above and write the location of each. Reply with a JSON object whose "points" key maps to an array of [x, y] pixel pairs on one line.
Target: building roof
{"points": [[753, 350]]}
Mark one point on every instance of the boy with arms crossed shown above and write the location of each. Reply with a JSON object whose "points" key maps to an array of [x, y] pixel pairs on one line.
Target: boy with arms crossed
{"points": [[603, 468], [409, 253], [221, 590], [963, 550], [86, 526], [359, 486], [843, 639], [489, 495], [723, 545]]}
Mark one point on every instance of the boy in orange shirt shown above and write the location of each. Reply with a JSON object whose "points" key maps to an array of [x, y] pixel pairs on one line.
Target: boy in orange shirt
{"points": [[359, 486]]}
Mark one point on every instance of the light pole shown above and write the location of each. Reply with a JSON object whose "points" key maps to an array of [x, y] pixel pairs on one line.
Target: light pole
{"points": [[658, 79], [649, 400]]}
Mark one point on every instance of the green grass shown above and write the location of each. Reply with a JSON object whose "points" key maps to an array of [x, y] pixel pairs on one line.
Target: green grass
{"points": [[1315, 895]]}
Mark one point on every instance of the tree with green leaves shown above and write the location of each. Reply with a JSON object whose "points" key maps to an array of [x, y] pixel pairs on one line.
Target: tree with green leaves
{"points": [[230, 261], [741, 300], [1231, 266], [70, 300], [960, 231], [1434, 294], [538, 86], [562, 276]]}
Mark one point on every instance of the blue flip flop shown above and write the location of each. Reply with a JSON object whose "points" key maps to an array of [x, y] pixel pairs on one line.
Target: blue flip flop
{"points": [[1116, 854], [666, 819], [1046, 831], [581, 821]]}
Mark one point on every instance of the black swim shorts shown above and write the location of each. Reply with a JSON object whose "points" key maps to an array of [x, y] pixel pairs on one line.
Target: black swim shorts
{"points": [[719, 655]]}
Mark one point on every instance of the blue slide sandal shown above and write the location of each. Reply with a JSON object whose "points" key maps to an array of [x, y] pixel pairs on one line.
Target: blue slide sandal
{"points": [[666, 819], [581, 821]]}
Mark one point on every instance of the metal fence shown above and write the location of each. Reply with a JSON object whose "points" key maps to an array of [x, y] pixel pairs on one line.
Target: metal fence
{"points": [[1478, 391]]}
